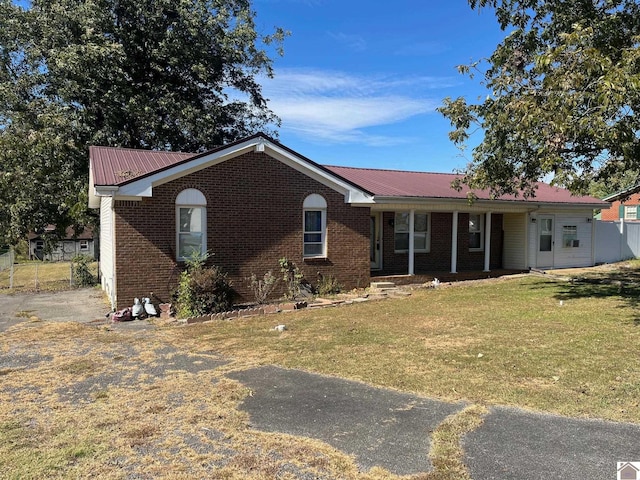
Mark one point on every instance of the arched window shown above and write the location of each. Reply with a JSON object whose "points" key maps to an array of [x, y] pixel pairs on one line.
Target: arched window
{"points": [[191, 224], [315, 226]]}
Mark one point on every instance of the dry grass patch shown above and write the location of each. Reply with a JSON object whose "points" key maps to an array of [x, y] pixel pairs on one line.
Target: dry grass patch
{"points": [[140, 423]]}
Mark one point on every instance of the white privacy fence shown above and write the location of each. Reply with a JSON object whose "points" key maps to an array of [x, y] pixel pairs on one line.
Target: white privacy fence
{"points": [[616, 241]]}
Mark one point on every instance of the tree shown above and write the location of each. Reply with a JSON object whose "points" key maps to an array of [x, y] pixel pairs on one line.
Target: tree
{"points": [[158, 74], [564, 97]]}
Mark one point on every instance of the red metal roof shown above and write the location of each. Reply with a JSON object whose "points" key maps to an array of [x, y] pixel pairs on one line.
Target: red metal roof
{"points": [[114, 166], [399, 183]]}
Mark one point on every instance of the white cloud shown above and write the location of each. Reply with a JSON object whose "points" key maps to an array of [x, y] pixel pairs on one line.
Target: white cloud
{"points": [[339, 107], [354, 42]]}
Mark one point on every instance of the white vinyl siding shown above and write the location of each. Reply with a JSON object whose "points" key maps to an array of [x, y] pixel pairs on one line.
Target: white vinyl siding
{"points": [[514, 226], [565, 257], [107, 248]]}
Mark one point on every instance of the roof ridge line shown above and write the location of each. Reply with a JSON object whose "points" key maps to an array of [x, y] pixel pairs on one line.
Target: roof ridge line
{"points": [[143, 150], [393, 170]]}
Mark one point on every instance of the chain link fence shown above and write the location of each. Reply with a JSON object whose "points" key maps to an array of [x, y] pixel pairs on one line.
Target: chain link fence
{"points": [[6, 260], [35, 276]]}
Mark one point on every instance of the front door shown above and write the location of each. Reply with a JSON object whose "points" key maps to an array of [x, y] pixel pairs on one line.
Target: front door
{"points": [[545, 242], [374, 239]]}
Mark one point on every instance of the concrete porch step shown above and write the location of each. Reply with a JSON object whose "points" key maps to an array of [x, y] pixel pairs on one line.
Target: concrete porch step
{"points": [[382, 285]]}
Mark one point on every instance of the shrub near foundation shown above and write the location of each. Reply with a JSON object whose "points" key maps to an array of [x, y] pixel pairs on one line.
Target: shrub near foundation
{"points": [[262, 287], [203, 290]]}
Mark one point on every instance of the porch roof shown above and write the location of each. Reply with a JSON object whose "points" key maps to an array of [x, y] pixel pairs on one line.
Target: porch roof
{"points": [[407, 185]]}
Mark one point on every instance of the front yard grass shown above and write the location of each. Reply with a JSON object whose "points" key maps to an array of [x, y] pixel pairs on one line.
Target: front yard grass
{"points": [[567, 347]]}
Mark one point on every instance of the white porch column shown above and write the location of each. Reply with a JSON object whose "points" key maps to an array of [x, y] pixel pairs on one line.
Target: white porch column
{"points": [[412, 222], [454, 243], [487, 242]]}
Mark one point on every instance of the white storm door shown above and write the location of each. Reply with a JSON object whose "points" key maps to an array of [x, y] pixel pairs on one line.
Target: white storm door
{"points": [[546, 242]]}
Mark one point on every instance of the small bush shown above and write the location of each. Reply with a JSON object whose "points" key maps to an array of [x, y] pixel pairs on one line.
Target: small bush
{"points": [[292, 277], [262, 287], [327, 285], [80, 267], [202, 290]]}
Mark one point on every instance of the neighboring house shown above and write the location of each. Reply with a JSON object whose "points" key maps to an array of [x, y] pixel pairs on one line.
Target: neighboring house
{"points": [[624, 205], [255, 201], [64, 250]]}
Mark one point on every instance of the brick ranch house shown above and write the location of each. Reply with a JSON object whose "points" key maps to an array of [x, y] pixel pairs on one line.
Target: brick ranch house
{"points": [[623, 205], [255, 200]]}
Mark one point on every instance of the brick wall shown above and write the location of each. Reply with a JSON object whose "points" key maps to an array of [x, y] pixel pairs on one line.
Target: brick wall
{"points": [[613, 212], [254, 217], [438, 259]]}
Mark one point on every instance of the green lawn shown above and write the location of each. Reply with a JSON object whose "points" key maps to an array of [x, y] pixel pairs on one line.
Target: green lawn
{"points": [[534, 342]]}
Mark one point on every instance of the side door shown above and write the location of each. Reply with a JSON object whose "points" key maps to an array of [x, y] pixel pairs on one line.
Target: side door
{"points": [[374, 239], [546, 241]]}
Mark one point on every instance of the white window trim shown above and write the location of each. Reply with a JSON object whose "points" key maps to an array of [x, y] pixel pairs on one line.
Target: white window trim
{"points": [[627, 212], [481, 222], [191, 198], [84, 245], [428, 233], [570, 242], [315, 203]]}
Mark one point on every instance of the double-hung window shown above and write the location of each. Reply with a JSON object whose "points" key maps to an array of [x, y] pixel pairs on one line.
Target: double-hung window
{"points": [[314, 226], [476, 231], [191, 224], [421, 240], [570, 236], [630, 212]]}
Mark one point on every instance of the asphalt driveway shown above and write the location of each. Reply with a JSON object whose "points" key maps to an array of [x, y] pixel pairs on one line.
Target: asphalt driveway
{"points": [[86, 305], [390, 429]]}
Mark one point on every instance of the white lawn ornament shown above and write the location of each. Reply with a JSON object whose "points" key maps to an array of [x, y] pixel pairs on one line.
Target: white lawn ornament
{"points": [[137, 309], [280, 328], [149, 307], [435, 283]]}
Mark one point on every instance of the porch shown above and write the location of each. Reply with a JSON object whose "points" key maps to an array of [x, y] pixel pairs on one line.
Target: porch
{"points": [[444, 277]]}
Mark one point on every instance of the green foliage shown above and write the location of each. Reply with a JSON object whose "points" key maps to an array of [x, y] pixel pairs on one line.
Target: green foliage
{"points": [[81, 269], [328, 285], [292, 277], [262, 287], [202, 290], [563, 96], [147, 74]]}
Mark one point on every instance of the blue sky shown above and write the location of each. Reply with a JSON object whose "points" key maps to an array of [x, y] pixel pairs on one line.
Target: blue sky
{"points": [[360, 80]]}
